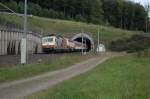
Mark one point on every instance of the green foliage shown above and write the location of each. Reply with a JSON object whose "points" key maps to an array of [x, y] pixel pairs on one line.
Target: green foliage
{"points": [[20, 7], [68, 28], [136, 43], [125, 14], [13, 5], [34, 9], [80, 18], [119, 13]]}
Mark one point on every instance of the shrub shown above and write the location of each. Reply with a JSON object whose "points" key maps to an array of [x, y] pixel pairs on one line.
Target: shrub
{"points": [[136, 43], [79, 17], [119, 45]]}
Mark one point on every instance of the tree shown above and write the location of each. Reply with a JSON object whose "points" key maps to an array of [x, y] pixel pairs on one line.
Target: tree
{"points": [[118, 13], [147, 7], [96, 11]]}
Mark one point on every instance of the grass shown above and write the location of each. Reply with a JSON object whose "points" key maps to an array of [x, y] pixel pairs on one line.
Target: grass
{"points": [[68, 28], [125, 77], [20, 72]]}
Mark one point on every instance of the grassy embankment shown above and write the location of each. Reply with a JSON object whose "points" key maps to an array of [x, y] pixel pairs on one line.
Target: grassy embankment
{"points": [[68, 28], [118, 78], [20, 72]]}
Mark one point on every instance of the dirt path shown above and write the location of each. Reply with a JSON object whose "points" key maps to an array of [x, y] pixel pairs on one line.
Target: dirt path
{"points": [[21, 88]]}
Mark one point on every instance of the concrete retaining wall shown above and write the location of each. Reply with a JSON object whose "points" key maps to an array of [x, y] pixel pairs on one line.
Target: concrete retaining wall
{"points": [[10, 42]]}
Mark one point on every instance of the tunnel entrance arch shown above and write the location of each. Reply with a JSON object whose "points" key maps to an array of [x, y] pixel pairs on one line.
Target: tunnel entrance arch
{"points": [[86, 39]]}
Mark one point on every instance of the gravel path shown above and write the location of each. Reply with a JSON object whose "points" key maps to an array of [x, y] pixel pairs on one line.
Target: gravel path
{"points": [[21, 88]]}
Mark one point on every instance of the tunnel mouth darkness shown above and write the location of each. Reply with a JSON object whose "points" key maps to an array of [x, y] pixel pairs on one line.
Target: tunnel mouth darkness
{"points": [[86, 40]]}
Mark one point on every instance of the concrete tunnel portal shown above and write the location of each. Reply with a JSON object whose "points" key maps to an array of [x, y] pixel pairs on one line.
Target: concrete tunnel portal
{"points": [[86, 40]]}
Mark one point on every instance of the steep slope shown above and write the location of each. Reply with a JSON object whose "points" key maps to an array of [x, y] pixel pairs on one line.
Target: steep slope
{"points": [[66, 28]]}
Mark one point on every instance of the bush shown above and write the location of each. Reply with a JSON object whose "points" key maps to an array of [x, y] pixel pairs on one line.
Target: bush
{"points": [[97, 20], [136, 43], [13, 5], [61, 15], [119, 45], [79, 17], [34, 9], [20, 7], [53, 14]]}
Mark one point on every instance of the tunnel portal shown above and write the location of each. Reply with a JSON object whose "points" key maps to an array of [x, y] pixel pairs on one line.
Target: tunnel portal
{"points": [[86, 40]]}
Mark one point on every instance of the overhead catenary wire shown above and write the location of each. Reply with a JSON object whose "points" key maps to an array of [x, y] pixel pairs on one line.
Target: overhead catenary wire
{"points": [[7, 8]]}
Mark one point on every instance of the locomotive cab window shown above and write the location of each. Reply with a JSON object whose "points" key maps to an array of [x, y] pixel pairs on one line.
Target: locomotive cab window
{"points": [[46, 40], [50, 39]]}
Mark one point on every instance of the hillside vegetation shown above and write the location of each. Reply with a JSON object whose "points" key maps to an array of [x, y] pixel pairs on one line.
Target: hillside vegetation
{"points": [[66, 28], [119, 13]]}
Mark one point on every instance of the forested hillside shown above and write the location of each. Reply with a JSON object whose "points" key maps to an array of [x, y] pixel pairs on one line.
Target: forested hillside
{"points": [[119, 13]]}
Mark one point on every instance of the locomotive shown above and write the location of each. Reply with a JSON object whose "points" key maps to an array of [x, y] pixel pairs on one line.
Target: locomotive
{"points": [[57, 43]]}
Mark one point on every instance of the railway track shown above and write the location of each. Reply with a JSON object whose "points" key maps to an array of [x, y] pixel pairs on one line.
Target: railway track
{"points": [[13, 60]]}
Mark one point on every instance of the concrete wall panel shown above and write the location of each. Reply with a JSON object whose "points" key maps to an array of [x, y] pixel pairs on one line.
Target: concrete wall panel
{"points": [[10, 42]]}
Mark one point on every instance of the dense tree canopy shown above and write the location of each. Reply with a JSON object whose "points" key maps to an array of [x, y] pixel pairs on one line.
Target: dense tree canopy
{"points": [[119, 13]]}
